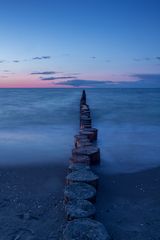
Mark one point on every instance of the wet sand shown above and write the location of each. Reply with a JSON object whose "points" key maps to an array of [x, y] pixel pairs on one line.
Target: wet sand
{"points": [[129, 205], [31, 202]]}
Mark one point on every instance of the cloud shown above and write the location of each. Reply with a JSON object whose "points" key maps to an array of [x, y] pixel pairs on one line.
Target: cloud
{"points": [[142, 59], [44, 73], [16, 61], [147, 59], [41, 58], [46, 57], [93, 57], [37, 58], [136, 59], [66, 55], [87, 83], [144, 80], [56, 78], [141, 81], [147, 77], [3, 76]]}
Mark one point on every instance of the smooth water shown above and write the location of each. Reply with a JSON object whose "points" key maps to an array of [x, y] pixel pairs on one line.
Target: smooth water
{"points": [[38, 125]]}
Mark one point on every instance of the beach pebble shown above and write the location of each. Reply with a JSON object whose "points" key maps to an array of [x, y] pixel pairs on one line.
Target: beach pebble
{"points": [[79, 191], [92, 152], [79, 209], [85, 176], [85, 229]]}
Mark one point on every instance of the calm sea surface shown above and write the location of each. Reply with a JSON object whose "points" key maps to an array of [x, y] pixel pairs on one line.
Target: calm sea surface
{"points": [[38, 125]]}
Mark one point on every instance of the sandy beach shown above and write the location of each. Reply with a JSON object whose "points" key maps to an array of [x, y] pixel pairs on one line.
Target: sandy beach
{"points": [[129, 205], [31, 202]]}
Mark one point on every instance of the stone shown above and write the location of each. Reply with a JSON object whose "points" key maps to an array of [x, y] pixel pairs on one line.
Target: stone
{"points": [[76, 209], [80, 159], [77, 191], [85, 229], [85, 176], [92, 152]]}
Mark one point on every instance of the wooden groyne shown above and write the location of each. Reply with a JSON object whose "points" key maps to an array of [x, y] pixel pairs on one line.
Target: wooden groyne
{"points": [[82, 183]]}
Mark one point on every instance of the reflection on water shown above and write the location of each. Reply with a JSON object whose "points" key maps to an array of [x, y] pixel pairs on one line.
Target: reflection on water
{"points": [[38, 125]]}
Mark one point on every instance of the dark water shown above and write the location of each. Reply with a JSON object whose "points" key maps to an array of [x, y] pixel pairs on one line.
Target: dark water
{"points": [[38, 125]]}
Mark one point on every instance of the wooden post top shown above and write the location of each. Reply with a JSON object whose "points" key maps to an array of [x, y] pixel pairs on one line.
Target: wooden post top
{"points": [[83, 97]]}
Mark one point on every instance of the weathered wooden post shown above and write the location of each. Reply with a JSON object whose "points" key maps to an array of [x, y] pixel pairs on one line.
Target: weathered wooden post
{"points": [[80, 229], [85, 176], [92, 152], [77, 209], [77, 191], [83, 98]]}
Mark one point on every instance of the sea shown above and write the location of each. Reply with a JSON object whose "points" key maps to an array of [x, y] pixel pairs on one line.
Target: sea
{"points": [[37, 126]]}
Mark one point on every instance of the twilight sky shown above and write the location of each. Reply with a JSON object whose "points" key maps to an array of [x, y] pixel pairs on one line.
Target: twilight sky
{"points": [[74, 43]]}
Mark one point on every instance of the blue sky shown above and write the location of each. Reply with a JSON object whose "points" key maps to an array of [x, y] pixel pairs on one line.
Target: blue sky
{"points": [[72, 41]]}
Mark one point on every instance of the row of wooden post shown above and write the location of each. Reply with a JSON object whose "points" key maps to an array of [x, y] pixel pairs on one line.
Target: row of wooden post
{"points": [[82, 183]]}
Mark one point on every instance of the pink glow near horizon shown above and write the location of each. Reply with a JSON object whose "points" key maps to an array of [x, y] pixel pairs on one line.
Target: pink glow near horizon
{"points": [[23, 81]]}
